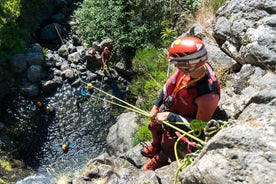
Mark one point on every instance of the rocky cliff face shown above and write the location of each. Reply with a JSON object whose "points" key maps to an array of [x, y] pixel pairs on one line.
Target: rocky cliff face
{"points": [[243, 152]]}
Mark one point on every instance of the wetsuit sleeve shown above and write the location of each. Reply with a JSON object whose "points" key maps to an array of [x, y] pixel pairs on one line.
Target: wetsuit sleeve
{"points": [[159, 100], [206, 106], [172, 117], [167, 89]]}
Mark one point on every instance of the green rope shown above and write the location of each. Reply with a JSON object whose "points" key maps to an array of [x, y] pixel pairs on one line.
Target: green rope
{"points": [[114, 103], [134, 107], [175, 149], [185, 133], [197, 125], [187, 161]]}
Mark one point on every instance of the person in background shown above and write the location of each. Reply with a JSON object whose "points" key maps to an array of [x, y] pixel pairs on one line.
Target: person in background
{"points": [[191, 92], [85, 92], [50, 110], [105, 55], [42, 108]]}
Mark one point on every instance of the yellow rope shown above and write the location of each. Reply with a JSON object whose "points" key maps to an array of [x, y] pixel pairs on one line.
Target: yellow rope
{"points": [[175, 149], [187, 161], [138, 110], [131, 107], [59, 34], [134, 107], [114, 103], [185, 133]]}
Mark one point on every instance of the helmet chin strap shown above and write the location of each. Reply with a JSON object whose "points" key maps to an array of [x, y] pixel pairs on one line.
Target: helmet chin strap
{"points": [[199, 72], [185, 71]]}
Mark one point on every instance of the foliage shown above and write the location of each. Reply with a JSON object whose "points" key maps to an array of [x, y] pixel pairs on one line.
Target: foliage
{"points": [[11, 35], [3, 181], [150, 64], [143, 133], [131, 24], [9, 11], [5, 165], [246, 41], [215, 4], [167, 36], [192, 5]]}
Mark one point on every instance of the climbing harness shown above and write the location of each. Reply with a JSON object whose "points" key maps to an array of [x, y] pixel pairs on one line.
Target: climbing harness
{"points": [[180, 85]]}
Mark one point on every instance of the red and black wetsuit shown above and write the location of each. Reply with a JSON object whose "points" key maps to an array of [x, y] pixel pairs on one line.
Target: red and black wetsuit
{"points": [[186, 99], [105, 55]]}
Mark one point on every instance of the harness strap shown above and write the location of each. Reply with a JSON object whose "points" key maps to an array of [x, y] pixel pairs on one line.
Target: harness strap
{"points": [[187, 82]]}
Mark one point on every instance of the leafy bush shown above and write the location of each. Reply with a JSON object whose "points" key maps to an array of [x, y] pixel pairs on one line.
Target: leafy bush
{"points": [[11, 35], [167, 36], [131, 24], [9, 11], [150, 64], [216, 4], [143, 133]]}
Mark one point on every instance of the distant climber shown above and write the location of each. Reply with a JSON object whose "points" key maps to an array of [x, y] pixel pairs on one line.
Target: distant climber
{"points": [[105, 55], [85, 92], [91, 58], [64, 147], [45, 108]]}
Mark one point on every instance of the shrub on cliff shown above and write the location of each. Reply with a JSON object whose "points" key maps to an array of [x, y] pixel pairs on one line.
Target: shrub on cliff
{"points": [[132, 24]]}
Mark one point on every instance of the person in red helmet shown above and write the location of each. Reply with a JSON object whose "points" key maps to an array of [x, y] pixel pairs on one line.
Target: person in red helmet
{"points": [[191, 92], [105, 55]]}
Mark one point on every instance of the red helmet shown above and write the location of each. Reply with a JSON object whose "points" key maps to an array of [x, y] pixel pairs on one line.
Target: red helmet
{"points": [[187, 52]]}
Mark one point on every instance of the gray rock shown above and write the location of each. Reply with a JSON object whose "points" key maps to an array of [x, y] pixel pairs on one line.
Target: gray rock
{"points": [[34, 58], [51, 32], [18, 63], [31, 90], [118, 139], [34, 73]]}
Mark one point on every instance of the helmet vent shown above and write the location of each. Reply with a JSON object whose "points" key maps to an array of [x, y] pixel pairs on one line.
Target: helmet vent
{"points": [[181, 54], [174, 55]]}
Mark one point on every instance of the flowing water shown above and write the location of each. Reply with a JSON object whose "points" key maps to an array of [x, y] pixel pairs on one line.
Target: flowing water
{"points": [[39, 133]]}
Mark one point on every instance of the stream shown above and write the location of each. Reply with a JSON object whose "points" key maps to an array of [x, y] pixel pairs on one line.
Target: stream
{"points": [[39, 133]]}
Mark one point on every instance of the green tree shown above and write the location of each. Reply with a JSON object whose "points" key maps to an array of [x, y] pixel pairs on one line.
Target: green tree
{"points": [[150, 64], [131, 24], [10, 33]]}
